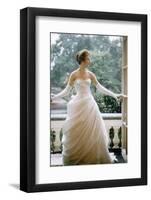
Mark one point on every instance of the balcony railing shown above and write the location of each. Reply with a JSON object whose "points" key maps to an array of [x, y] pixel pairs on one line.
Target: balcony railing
{"points": [[113, 123]]}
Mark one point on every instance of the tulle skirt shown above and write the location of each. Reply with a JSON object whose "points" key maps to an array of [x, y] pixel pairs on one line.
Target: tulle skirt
{"points": [[85, 138]]}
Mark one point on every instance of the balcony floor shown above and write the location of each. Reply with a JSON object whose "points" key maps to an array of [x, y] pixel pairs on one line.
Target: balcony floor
{"points": [[56, 159]]}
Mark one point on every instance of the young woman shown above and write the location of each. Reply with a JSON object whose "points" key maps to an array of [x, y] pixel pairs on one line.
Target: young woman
{"points": [[85, 139]]}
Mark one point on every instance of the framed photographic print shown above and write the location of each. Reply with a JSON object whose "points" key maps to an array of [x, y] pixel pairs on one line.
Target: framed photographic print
{"points": [[83, 99]]}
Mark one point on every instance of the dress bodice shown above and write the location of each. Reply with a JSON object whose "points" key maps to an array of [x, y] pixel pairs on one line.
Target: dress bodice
{"points": [[82, 86]]}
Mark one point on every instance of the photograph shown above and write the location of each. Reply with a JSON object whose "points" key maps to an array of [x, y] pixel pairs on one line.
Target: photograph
{"points": [[88, 96], [83, 118]]}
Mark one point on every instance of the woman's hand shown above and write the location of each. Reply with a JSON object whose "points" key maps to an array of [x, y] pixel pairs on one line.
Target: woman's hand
{"points": [[120, 97]]}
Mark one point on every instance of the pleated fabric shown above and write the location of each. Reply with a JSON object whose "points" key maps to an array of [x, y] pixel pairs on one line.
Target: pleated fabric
{"points": [[85, 138]]}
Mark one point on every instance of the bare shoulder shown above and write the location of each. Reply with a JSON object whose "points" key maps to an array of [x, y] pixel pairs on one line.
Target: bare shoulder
{"points": [[73, 74], [93, 77], [72, 77], [92, 74]]}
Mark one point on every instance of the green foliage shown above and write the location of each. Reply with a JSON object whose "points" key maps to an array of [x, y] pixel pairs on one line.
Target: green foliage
{"points": [[107, 104], [106, 58]]}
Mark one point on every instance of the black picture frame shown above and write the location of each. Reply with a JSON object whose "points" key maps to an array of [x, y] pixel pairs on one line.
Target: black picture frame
{"points": [[28, 99]]}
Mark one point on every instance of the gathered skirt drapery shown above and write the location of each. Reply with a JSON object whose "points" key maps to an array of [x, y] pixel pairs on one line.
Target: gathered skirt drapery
{"points": [[85, 138]]}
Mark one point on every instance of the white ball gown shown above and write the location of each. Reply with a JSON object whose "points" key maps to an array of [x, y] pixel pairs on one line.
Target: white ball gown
{"points": [[85, 139]]}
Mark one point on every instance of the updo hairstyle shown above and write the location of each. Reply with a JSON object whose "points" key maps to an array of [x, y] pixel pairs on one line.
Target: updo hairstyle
{"points": [[81, 55]]}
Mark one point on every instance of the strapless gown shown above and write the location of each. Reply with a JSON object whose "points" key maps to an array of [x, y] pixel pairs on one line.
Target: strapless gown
{"points": [[85, 138]]}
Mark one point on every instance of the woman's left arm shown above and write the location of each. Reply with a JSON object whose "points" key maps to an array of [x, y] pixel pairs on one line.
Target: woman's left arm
{"points": [[102, 89]]}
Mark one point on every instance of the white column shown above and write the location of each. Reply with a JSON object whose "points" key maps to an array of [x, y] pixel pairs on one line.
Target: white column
{"points": [[125, 100]]}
